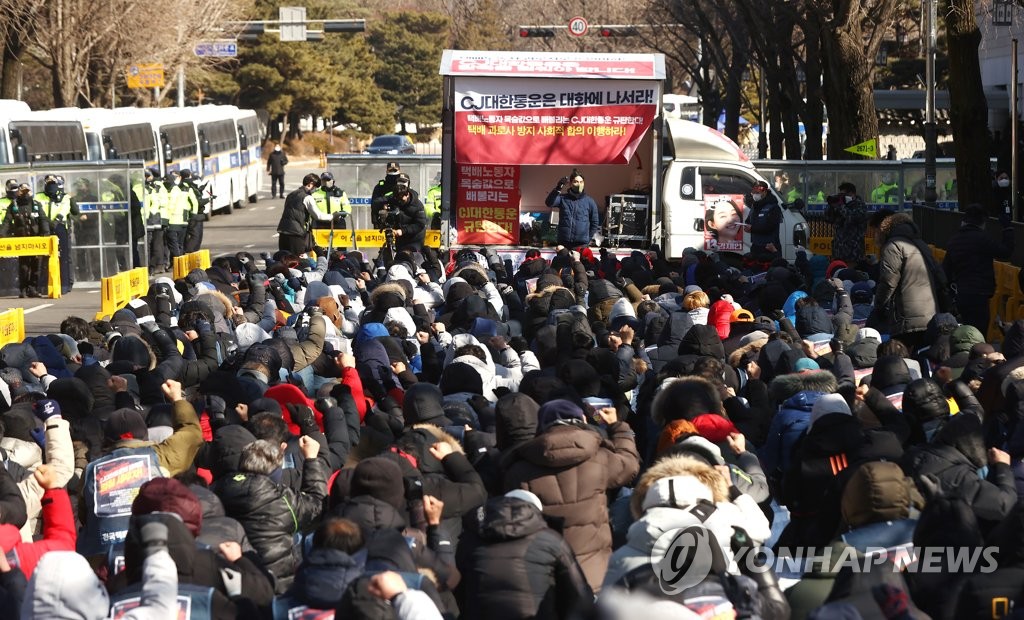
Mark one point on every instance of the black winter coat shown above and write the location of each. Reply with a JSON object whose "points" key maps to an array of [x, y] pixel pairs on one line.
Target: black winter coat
{"points": [[991, 498], [968, 261], [272, 514], [519, 567]]}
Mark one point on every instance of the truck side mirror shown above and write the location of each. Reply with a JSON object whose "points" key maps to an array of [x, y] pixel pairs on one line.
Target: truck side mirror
{"points": [[204, 148], [168, 153]]}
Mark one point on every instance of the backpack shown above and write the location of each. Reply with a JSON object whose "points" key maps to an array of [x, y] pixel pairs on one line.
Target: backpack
{"points": [[572, 330], [111, 484]]}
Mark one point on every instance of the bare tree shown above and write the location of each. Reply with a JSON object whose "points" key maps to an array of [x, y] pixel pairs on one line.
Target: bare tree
{"points": [[18, 21], [851, 33], [87, 44], [968, 108]]}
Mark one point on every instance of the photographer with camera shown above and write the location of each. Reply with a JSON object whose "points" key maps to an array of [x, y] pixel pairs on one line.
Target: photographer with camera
{"points": [[300, 211], [404, 217], [850, 215], [578, 220]]}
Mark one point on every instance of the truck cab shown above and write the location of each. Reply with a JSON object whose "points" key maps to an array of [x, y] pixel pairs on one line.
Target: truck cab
{"points": [[703, 172]]}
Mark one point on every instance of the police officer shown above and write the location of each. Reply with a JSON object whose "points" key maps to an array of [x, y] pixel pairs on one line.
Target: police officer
{"points": [[331, 199], [25, 218], [764, 217], [432, 203], [11, 192], [156, 214], [181, 206], [59, 209], [385, 186], [194, 232]]}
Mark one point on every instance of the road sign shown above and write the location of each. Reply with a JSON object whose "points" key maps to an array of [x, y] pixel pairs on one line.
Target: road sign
{"points": [[578, 26], [145, 75], [293, 23], [867, 148], [216, 49]]}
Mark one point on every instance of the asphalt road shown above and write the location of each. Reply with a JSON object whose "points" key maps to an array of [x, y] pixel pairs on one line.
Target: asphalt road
{"points": [[252, 228]]}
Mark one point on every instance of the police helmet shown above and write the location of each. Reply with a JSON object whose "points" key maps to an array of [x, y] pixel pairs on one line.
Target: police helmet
{"points": [[327, 176], [186, 173], [12, 185]]}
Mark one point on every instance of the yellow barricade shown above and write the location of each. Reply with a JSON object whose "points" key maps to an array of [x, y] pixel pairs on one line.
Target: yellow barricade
{"points": [[119, 289], [138, 282], [368, 238], [823, 245], [13, 247], [115, 292], [193, 260], [12, 326]]}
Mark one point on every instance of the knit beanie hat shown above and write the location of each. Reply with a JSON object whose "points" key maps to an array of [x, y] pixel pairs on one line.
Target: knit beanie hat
{"points": [[170, 495], [559, 411], [126, 424], [829, 403]]}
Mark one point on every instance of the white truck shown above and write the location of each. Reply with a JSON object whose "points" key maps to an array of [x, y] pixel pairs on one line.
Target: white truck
{"points": [[704, 173], [514, 123]]}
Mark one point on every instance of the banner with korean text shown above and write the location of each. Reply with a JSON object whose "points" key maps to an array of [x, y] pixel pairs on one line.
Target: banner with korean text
{"points": [[532, 121], [487, 204]]}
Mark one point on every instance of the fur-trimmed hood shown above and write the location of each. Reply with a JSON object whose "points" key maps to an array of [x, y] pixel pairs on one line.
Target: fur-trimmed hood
{"points": [[678, 466], [785, 386], [898, 223], [393, 288], [442, 436], [548, 292], [753, 348]]}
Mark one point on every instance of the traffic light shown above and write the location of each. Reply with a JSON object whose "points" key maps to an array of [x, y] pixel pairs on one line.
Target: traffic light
{"points": [[525, 31], [618, 31], [345, 25]]}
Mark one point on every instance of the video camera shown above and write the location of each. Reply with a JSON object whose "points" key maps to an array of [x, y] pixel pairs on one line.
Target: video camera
{"points": [[836, 200]]}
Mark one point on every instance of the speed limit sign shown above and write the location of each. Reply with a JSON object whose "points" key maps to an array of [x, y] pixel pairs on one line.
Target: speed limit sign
{"points": [[578, 26]]}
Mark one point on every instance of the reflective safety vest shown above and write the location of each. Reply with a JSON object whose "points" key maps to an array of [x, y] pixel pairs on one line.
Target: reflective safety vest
{"points": [[4, 203], [885, 192], [181, 205], [55, 210], [156, 202], [336, 201], [432, 205]]}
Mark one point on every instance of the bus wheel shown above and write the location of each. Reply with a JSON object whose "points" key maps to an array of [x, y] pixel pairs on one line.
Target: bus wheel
{"points": [[252, 197]]}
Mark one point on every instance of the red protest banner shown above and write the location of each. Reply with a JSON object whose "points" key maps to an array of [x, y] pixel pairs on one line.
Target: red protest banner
{"points": [[531, 121], [487, 204]]}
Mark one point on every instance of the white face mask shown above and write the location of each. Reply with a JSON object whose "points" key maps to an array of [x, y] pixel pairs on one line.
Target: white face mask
{"points": [[1003, 182], [757, 196], [848, 199]]}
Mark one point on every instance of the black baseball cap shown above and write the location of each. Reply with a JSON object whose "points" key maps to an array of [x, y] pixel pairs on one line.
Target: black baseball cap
{"points": [[327, 176], [393, 167], [403, 178]]}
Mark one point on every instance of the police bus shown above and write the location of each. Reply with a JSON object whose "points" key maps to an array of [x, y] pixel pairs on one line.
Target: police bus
{"points": [[36, 136], [250, 150]]}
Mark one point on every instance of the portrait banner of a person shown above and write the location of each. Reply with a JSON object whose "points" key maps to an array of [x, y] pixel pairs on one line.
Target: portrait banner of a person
{"points": [[723, 223]]}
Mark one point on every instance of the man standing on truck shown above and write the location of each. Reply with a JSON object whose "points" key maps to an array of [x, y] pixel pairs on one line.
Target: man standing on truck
{"points": [[850, 215], [764, 216], [578, 220]]}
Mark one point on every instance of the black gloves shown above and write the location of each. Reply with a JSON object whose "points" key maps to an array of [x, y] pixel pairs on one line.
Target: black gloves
{"points": [[304, 418], [216, 408], [325, 403]]}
